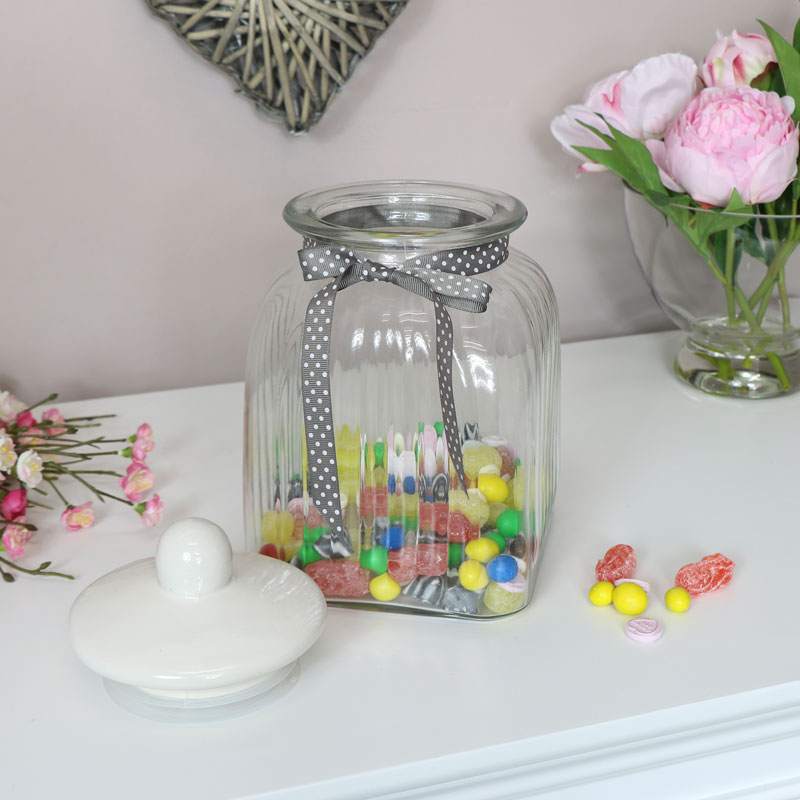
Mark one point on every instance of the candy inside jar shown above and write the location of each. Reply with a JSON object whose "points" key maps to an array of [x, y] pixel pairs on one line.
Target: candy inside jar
{"points": [[401, 421]]}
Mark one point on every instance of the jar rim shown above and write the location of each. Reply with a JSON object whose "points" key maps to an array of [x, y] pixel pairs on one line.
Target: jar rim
{"points": [[416, 213]]}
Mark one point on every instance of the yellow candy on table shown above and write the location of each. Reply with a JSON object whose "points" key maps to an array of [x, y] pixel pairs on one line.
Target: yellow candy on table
{"points": [[290, 548], [472, 575], [493, 488], [482, 549], [384, 588], [475, 458], [629, 598], [601, 593], [472, 505], [277, 527], [677, 599]]}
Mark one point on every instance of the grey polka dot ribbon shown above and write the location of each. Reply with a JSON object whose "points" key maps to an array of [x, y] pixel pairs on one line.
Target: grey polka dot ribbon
{"points": [[444, 279]]}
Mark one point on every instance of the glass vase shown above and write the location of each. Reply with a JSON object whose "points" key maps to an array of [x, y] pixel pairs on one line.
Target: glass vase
{"points": [[735, 291], [415, 514]]}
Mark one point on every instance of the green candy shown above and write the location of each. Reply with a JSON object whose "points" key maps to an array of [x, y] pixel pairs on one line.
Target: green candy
{"points": [[455, 554], [439, 428], [375, 559], [498, 539], [508, 523], [380, 451], [310, 535], [308, 555]]}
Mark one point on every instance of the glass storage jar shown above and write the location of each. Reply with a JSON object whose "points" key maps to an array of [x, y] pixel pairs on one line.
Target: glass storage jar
{"points": [[401, 444]]}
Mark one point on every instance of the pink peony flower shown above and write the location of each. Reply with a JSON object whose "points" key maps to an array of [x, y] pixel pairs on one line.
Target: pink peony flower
{"points": [[53, 415], [152, 511], [29, 469], [728, 139], [137, 480], [14, 505], [737, 60], [9, 407], [15, 537], [640, 102], [8, 455], [77, 517]]}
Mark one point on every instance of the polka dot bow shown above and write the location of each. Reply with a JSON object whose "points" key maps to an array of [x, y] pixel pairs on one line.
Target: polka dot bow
{"points": [[444, 279]]}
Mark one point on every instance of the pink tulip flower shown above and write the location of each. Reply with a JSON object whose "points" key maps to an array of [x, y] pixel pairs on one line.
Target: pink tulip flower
{"points": [[76, 517], [737, 60], [640, 102], [15, 537], [14, 505], [137, 480], [728, 139]]}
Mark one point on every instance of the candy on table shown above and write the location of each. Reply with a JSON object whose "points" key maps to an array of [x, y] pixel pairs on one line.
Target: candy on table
{"points": [[707, 575], [502, 569], [434, 517], [395, 537], [384, 588], [271, 551], [308, 555], [428, 589], [493, 488], [644, 629], [455, 554], [506, 462], [644, 584], [677, 599], [519, 547], [516, 489], [431, 559], [495, 510], [629, 598], [618, 562], [340, 578], [472, 575], [482, 549], [601, 593], [459, 528]]}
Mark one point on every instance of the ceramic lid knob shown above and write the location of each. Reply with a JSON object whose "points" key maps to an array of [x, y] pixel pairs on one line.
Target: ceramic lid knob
{"points": [[193, 558]]}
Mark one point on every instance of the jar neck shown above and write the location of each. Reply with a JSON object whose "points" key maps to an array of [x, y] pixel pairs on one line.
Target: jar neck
{"points": [[393, 221]]}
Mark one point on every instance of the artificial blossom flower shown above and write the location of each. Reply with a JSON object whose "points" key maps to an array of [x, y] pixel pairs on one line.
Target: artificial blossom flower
{"points": [[640, 102], [728, 139], [152, 511], [8, 455], [77, 517], [29, 468], [15, 537], [14, 505], [53, 415], [9, 407], [137, 480], [737, 60]]}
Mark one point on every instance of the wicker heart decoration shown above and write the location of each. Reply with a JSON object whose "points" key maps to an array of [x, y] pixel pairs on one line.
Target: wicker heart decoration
{"points": [[290, 57]]}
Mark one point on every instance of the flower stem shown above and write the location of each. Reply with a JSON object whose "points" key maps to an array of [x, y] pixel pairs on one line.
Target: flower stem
{"points": [[730, 245], [40, 570]]}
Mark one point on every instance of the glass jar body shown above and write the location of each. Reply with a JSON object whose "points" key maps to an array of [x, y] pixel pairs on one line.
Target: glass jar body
{"points": [[417, 540]]}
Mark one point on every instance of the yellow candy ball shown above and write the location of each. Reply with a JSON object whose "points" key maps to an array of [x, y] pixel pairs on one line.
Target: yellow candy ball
{"points": [[677, 599], [601, 593], [472, 575], [629, 598], [493, 488], [482, 549], [285, 526], [384, 588]]}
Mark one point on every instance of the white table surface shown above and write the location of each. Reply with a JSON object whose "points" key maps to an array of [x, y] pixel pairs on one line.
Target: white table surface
{"points": [[552, 702]]}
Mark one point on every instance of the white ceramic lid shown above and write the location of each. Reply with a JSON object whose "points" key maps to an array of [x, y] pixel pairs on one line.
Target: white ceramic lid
{"points": [[197, 621]]}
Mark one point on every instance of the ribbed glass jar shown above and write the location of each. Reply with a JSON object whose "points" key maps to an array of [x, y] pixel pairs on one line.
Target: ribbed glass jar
{"points": [[413, 538]]}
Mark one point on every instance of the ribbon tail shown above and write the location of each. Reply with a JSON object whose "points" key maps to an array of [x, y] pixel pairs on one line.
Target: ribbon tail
{"points": [[323, 479], [444, 369]]}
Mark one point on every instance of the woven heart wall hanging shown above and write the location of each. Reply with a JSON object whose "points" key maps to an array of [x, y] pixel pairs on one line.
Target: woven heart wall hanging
{"points": [[290, 57]]}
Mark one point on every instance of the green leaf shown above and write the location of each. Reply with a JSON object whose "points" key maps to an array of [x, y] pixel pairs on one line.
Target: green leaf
{"points": [[789, 63], [616, 163], [796, 36], [639, 156], [751, 243], [714, 221]]}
